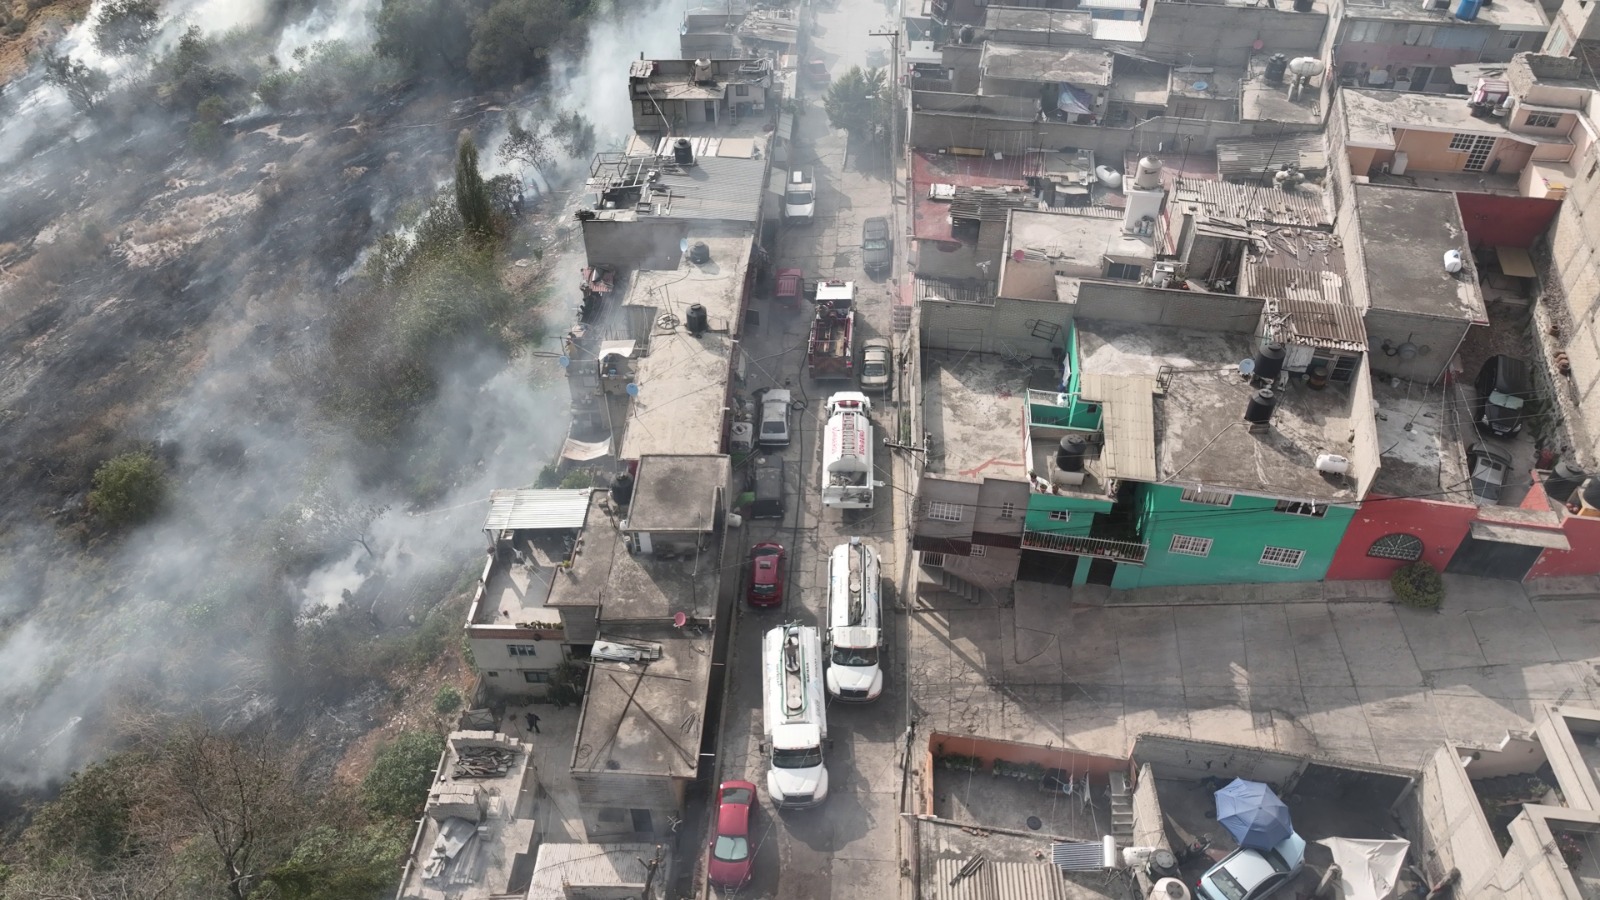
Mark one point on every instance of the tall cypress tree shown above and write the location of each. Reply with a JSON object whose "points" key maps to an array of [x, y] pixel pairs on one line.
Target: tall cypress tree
{"points": [[472, 196]]}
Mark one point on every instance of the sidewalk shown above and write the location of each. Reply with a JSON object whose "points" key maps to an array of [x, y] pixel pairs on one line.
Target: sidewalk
{"points": [[1327, 592]]}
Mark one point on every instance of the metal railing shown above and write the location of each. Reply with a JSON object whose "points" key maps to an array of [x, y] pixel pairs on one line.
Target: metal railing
{"points": [[1078, 545]]}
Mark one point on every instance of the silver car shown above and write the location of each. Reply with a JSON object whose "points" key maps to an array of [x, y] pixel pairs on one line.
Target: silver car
{"points": [[774, 418], [877, 365]]}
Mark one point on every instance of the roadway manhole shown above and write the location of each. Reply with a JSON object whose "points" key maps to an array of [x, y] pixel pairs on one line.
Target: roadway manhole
{"points": [[1034, 824]]}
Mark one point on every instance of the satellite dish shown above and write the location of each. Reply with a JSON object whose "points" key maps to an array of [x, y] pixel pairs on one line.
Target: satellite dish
{"points": [[679, 619], [564, 361], [683, 246], [632, 389], [1201, 85]]}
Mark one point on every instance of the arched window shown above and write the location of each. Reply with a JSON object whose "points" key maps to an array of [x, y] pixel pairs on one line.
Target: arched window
{"points": [[1406, 547]]}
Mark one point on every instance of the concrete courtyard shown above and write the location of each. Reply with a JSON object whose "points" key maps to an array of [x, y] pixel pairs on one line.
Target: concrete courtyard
{"points": [[1363, 681]]}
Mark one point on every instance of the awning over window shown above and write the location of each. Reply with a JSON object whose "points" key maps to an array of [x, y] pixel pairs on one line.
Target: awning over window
{"points": [[1515, 261]]}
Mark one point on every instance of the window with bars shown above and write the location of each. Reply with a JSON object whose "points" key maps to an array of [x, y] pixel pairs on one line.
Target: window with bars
{"points": [[1008, 510], [1296, 508], [1477, 147], [536, 677], [941, 511], [521, 650], [1406, 547], [1060, 515], [933, 560], [1184, 545], [1542, 120], [1282, 557], [977, 550], [1209, 498]]}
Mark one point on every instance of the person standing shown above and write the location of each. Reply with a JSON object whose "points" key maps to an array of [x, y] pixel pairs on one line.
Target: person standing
{"points": [[533, 723]]}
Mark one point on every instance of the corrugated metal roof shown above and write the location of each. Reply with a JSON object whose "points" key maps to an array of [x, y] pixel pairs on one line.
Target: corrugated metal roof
{"points": [[1285, 283], [952, 292], [1000, 881], [1306, 205], [1238, 157], [990, 204], [1336, 326], [537, 509], [1129, 421]]}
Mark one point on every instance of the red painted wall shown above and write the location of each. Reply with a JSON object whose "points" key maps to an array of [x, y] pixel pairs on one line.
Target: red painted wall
{"points": [[1498, 221], [1441, 526]]}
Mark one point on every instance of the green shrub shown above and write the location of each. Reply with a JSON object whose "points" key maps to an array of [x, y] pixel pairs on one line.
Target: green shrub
{"points": [[401, 774], [1418, 585], [128, 489], [447, 701]]}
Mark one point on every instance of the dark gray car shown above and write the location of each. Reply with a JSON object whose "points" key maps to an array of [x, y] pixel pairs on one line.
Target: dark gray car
{"points": [[1488, 468], [877, 251]]}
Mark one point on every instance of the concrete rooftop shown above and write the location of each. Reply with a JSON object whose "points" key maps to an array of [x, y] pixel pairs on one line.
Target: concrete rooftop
{"points": [[930, 217], [1422, 452], [682, 378], [1079, 66], [617, 867], [1201, 435], [514, 595], [1205, 82], [645, 718], [1404, 234], [1084, 239], [1262, 101], [973, 405], [630, 586], [1370, 117], [1523, 17], [495, 815], [679, 493], [1350, 680]]}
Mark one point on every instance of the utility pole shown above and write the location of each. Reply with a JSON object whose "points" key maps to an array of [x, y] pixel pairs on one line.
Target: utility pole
{"points": [[650, 872], [894, 92]]}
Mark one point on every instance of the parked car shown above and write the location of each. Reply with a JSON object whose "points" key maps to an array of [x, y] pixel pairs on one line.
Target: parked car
{"points": [[790, 285], [800, 198], [774, 418], [877, 365], [731, 851], [877, 251], [769, 566], [1488, 468], [817, 71], [1504, 389], [1248, 874]]}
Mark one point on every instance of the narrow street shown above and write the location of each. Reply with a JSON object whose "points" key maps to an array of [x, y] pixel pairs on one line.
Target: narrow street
{"points": [[847, 847]]}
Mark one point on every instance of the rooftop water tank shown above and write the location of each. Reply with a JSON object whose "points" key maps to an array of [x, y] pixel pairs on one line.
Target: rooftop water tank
{"points": [[683, 152], [700, 253], [1259, 410], [1149, 176], [1269, 362], [1305, 66], [1069, 456], [1277, 64], [697, 323]]}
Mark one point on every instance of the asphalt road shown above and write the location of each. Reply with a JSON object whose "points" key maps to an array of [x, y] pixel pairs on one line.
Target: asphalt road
{"points": [[848, 847]]}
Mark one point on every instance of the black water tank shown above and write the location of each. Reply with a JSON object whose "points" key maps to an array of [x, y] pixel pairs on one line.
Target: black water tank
{"points": [[967, 33], [700, 253], [683, 152], [696, 322], [1304, 5], [622, 489], [1269, 362], [1259, 411], [1277, 64], [1069, 456]]}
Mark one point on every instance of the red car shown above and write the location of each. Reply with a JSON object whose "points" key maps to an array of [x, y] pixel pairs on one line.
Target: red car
{"points": [[768, 565], [730, 846], [790, 285]]}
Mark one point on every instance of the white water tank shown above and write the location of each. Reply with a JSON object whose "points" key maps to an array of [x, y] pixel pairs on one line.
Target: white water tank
{"points": [[1452, 261], [1149, 176], [1333, 464], [1170, 889], [1306, 66], [1108, 176]]}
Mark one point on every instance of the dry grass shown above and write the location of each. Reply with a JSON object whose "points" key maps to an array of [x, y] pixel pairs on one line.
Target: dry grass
{"points": [[45, 25], [413, 711]]}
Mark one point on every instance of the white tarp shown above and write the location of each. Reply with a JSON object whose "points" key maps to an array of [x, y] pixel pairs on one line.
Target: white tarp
{"points": [[1367, 869]]}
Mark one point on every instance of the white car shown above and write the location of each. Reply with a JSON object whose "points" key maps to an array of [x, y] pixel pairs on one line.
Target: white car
{"points": [[877, 365], [775, 418], [1253, 874], [799, 198]]}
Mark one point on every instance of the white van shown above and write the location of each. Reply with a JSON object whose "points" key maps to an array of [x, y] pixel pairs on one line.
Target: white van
{"points": [[855, 622], [799, 198], [795, 715]]}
